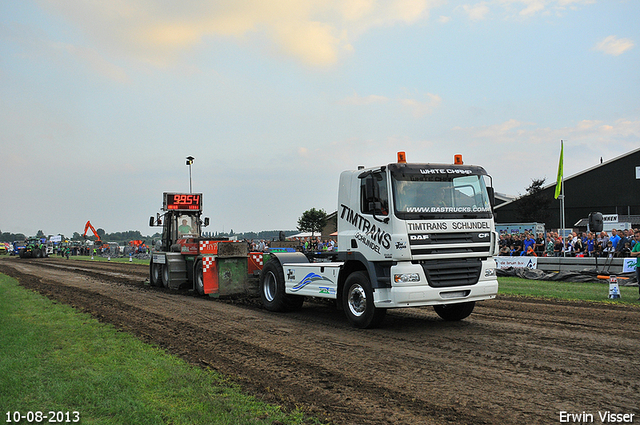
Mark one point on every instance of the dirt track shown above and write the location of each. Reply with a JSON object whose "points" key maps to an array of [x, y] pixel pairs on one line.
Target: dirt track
{"points": [[510, 362]]}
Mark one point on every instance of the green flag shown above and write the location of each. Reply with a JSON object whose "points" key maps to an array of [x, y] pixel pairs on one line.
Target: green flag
{"points": [[560, 171]]}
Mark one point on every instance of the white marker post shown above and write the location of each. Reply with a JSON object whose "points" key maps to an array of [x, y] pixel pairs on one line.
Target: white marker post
{"points": [[614, 289]]}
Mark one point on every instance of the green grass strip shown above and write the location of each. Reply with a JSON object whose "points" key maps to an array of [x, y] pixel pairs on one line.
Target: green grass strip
{"points": [[570, 291], [54, 358]]}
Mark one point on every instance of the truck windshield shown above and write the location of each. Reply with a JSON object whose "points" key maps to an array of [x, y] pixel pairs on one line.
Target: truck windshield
{"points": [[445, 196]]}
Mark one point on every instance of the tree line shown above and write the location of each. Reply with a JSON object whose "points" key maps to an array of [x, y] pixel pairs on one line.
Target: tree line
{"points": [[311, 221]]}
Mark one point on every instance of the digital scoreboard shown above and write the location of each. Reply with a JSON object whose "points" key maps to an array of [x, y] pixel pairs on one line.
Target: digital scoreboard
{"points": [[182, 202]]}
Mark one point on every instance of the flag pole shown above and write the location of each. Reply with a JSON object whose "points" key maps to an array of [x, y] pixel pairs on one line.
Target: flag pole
{"points": [[562, 210], [560, 194]]}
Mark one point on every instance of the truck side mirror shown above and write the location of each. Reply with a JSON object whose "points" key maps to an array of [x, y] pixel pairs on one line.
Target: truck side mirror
{"points": [[492, 196], [206, 221], [596, 223], [151, 222], [371, 190]]}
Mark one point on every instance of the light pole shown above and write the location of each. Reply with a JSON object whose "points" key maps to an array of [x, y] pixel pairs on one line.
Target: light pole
{"points": [[189, 162]]}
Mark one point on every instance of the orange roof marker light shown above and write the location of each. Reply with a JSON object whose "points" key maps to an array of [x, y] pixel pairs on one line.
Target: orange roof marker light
{"points": [[402, 158], [457, 159]]}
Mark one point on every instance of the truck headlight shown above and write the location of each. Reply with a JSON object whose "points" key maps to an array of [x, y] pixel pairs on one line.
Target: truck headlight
{"points": [[489, 272], [406, 277]]}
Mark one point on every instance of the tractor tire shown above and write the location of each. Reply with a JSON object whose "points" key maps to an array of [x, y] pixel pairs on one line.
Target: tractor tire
{"points": [[165, 275], [357, 302], [155, 274], [198, 279]]}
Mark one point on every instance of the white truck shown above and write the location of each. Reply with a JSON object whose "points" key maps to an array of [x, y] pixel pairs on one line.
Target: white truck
{"points": [[409, 235]]}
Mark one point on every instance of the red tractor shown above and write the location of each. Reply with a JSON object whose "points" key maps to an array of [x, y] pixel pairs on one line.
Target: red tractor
{"points": [[184, 259]]}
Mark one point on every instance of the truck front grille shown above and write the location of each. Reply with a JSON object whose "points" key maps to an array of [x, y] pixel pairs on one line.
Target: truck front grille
{"points": [[452, 272]]}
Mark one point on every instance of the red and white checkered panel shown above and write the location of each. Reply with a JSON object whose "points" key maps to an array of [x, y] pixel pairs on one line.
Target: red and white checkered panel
{"points": [[207, 262], [255, 262], [210, 275], [208, 247]]}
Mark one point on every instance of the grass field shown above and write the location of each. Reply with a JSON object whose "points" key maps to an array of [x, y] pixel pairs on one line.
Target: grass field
{"points": [[583, 291], [55, 359]]}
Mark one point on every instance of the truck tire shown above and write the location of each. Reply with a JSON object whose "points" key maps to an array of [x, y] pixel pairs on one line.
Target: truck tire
{"points": [[454, 312], [199, 279], [37, 253], [272, 291], [155, 274], [357, 302]]}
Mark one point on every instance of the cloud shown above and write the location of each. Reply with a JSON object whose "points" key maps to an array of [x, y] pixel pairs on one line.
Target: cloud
{"points": [[35, 44], [519, 8], [417, 107], [421, 108], [96, 62], [316, 32], [613, 45], [524, 136], [476, 12], [358, 100], [532, 7]]}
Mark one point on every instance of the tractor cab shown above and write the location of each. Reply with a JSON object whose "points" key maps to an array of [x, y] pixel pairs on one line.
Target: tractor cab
{"points": [[181, 222]]}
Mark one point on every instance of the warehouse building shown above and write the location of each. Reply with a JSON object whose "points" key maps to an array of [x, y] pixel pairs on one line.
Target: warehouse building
{"points": [[611, 187]]}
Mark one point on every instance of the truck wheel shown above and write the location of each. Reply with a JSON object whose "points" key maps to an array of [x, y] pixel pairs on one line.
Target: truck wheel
{"points": [[272, 291], [155, 277], [165, 275], [37, 253], [357, 302], [454, 312], [199, 279]]}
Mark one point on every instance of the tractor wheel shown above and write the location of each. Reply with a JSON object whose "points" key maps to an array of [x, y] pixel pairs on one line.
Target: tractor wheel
{"points": [[165, 275], [199, 279], [155, 274]]}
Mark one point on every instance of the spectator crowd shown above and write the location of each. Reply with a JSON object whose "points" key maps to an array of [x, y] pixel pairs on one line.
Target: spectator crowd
{"points": [[302, 244], [619, 243]]}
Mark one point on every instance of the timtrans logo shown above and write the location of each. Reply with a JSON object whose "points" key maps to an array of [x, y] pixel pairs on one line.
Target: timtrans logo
{"points": [[310, 278]]}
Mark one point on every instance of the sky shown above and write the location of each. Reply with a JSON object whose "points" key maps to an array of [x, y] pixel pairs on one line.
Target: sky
{"points": [[102, 101]]}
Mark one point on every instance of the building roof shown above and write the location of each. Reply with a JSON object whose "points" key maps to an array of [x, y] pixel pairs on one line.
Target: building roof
{"points": [[602, 164]]}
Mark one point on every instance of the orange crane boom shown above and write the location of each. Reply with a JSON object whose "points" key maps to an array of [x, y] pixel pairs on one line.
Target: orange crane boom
{"points": [[89, 226]]}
